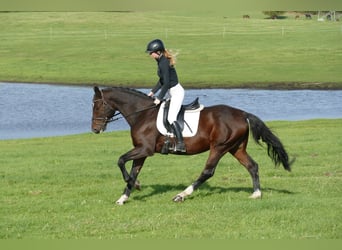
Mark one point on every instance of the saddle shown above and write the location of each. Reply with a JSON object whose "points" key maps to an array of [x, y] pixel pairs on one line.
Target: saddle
{"points": [[180, 117]]}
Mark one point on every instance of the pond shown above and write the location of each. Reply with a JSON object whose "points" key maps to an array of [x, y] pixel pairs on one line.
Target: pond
{"points": [[41, 110]]}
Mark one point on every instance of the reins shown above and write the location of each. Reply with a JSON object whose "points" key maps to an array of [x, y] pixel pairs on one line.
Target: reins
{"points": [[119, 113], [112, 119]]}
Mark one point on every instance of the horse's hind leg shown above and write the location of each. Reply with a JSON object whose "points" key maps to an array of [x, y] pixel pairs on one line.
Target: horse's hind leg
{"points": [[208, 172], [252, 168]]}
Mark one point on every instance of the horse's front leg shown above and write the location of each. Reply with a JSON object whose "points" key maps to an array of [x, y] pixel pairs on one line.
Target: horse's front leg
{"points": [[132, 182], [121, 163]]}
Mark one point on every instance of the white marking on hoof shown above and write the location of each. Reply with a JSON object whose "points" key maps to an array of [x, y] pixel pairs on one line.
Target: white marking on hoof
{"points": [[122, 200], [256, 194], [181, 196], [178, 198], [189, 190]]}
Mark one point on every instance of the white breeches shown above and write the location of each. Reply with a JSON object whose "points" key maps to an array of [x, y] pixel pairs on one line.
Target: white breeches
{"points": [[177, 97]]}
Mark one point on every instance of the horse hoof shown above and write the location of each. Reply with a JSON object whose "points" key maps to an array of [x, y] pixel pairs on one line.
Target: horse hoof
{"points": [[122, 200], [137, 185], [256, 195], [178, 198]]}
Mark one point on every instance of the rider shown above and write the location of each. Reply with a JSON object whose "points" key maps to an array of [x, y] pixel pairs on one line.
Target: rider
{"points": [[168, 82]]}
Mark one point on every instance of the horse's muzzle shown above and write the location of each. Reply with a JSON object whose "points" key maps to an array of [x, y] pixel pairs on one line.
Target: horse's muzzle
{"points": [[99, 125], [96, 131]]}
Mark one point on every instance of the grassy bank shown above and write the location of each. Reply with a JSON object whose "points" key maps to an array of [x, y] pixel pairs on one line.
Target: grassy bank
{"points": [[213, 50], [65, 187]]}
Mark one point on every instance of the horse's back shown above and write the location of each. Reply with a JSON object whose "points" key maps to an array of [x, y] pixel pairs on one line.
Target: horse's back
{"points": [[224, 120], [224, 112]]}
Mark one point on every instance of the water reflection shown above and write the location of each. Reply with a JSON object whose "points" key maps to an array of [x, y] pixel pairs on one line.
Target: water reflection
{"points": [[37, 110]]}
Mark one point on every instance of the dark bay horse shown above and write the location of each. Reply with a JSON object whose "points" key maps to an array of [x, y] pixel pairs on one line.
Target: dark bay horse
{"points": [[222, 129]]}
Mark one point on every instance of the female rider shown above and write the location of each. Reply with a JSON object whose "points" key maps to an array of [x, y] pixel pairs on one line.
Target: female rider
{"points": [[168, 82]]}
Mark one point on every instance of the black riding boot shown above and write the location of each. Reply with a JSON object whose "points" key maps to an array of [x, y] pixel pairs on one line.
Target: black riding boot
{"points": [[179, 147]]}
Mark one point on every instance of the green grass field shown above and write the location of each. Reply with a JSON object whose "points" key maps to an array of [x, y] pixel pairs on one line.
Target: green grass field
{"points": [[214, 50], [65, 188]]}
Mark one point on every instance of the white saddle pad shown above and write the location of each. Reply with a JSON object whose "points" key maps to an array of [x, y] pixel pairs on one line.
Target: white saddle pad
{"points": [[191, 118]]}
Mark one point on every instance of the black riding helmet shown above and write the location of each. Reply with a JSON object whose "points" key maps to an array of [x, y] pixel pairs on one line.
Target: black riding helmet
{"points": [[155, 45]]}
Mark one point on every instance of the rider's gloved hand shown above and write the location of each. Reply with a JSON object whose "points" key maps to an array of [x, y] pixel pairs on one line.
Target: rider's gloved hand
{"points": [[156, 101]]}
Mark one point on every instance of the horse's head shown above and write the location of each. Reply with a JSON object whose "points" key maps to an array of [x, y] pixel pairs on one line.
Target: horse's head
{"points": [[102, 112]]}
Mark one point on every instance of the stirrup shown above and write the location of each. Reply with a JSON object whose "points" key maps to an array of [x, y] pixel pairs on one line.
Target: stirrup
{"points": [[180, 147]]}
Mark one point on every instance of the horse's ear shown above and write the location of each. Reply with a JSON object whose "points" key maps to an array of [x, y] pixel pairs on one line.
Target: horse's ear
{"points": [[97, 92]]}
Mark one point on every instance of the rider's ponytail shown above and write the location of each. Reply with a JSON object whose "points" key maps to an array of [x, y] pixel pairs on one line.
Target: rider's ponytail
{"points": [[170, 56]]}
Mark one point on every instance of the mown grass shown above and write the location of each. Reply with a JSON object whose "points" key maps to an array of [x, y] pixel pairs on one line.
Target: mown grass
{"points": [[65, 188], [214, 50]]}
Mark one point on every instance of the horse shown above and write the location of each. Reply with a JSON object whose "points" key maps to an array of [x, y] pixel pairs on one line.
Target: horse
{"points": [[221, 129]]}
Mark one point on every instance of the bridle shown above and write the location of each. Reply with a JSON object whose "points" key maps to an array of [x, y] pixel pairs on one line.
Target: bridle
{"points": [[107, 119]]}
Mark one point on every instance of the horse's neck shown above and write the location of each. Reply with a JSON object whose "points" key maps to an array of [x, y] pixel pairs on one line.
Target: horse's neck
{"points": [[128, 104]]}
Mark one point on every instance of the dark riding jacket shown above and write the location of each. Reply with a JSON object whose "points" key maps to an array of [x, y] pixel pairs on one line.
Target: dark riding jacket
{"points": [[167, 77]]}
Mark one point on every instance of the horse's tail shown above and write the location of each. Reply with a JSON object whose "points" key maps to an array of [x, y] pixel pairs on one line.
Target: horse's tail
{"points": [[275, 148]]}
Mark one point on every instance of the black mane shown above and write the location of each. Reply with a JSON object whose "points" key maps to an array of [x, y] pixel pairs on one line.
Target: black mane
{"points": [[134, 92]]}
